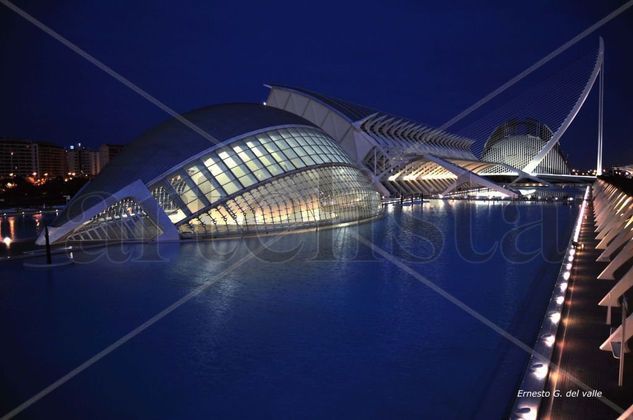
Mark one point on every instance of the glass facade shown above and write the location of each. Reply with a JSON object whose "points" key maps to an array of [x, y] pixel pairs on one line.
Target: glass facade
{"points": [[319, 196], [284, 177], [123, 221]]}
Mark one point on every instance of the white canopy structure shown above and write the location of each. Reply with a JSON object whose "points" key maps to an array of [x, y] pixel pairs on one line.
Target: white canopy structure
{"points": [[613, 215]]}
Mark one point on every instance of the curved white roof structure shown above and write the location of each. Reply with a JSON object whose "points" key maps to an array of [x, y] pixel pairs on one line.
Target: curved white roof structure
{"points": [[401, 156], [266, 170]]}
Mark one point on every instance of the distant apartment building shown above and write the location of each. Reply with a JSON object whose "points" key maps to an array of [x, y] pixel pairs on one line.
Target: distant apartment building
{"points": [[24, 157], [82, 161], [107, 152], [16, 157], [51, 160]]}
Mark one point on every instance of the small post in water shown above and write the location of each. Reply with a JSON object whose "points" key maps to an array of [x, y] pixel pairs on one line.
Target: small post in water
{"points": [[48, 246]]}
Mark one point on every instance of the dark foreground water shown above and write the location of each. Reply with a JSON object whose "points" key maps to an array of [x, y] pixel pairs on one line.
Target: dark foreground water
{"points": [[316, 327]]}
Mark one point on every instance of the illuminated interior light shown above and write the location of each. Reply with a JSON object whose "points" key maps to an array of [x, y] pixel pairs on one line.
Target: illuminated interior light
{"points": [[555, 317], [549, 340], [563, 286], [539, 370], [566, 275], [560, 300], [527, 413]]}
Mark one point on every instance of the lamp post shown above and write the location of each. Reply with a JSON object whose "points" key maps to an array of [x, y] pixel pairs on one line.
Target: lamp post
{"points": [[48, 246]]}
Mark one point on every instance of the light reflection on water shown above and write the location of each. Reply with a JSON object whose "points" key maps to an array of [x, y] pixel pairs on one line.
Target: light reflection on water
{"points": [[21, 230], [333, 332]]}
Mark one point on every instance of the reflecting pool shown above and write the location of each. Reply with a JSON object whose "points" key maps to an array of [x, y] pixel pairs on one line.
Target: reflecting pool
{"points": [[310, 325]]}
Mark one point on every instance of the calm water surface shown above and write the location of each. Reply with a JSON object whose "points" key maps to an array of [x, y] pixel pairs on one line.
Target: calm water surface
{"points": [[315, 327], [21, 229]]}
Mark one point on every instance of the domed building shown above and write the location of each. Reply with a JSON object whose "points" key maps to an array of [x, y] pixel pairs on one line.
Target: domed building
{"points": [[242, 169], [517, 142]]}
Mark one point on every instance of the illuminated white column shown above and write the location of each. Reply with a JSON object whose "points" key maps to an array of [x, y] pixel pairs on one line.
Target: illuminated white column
{"points": [[600, 119]]}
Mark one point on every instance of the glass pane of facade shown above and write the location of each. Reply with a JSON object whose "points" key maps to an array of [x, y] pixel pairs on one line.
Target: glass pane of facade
{"points": [[319, 196], [224, 172], [168, 205], [187, 195]]}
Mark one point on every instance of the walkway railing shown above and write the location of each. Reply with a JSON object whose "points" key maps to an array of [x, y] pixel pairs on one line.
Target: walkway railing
{"points": [[613, 213], [532, 389]]}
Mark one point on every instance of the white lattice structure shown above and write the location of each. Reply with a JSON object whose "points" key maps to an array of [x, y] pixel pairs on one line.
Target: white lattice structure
{"points": [[516, 142], [401, 156]]}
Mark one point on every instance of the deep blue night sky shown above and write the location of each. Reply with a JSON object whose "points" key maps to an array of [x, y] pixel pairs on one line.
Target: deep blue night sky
{"points": [[423, 61]]}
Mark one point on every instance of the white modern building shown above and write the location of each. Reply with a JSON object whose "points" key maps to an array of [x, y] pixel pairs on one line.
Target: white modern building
{"points": [[257, 169], [400, 156]]}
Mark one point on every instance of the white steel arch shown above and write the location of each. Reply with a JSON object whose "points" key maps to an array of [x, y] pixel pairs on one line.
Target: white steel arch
{"points": [[531, 166]]}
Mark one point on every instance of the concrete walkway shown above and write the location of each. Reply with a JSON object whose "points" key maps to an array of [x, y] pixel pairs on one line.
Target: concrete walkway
{"points": [[577, 346]]}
